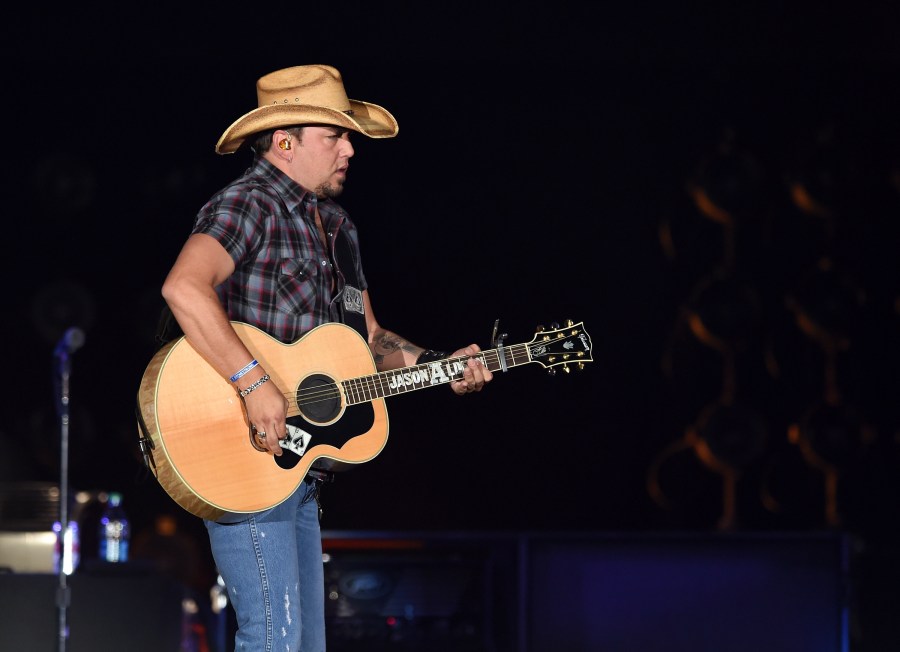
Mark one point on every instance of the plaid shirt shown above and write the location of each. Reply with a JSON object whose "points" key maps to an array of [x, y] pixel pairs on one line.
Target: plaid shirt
{"points": [[283, 274]]}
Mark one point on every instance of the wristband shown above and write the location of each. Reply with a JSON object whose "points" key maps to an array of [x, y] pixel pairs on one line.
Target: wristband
{"points": [[246, 392], [243, 371], [430, 355]]}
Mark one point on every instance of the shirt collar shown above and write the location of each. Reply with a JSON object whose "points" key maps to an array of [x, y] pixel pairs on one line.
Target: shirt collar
{"points": [[296, 196], [292, 193]]}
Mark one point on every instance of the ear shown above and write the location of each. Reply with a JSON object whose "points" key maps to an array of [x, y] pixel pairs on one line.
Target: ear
{"points": [[282, 141]]}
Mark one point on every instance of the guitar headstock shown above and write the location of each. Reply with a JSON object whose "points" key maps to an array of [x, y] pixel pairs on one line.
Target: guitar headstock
{"points": [[567, 346]]}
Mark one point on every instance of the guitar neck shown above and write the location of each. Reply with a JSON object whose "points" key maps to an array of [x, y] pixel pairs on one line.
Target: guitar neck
{"points": [[430, 374]]}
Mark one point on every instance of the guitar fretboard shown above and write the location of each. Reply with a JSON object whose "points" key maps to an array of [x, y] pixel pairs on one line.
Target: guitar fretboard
{"points": [[431, 374]]}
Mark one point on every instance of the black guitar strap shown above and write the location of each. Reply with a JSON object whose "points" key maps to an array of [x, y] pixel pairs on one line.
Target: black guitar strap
{"points": [[352, 310]]}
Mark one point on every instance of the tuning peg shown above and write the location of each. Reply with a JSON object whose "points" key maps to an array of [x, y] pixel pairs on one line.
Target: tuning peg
{"points": [[566, 368], [554, 325], [570, 323], [540, 328], [551, 371], [580, 366]]}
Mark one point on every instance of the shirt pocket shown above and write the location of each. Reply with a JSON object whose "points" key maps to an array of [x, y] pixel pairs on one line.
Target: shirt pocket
{"points": [[297, 285]]}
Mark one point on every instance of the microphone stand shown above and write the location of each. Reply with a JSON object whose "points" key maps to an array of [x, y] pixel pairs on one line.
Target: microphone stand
{"points": [[72, 339]]}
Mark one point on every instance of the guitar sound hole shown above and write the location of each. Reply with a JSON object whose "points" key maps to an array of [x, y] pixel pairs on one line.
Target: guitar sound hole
{"points": [[319, 398]]}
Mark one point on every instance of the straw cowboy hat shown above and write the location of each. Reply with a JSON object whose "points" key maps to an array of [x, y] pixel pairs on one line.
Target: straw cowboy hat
{"points": [[306, 95]]}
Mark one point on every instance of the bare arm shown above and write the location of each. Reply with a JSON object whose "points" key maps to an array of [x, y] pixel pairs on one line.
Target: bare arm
{"points": [[189, 290], [392, 351]]}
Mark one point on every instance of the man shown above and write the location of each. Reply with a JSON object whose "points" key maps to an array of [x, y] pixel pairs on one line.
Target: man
{"points": [[274, 249]]}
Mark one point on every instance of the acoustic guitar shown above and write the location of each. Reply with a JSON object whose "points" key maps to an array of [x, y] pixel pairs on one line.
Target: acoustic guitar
{"points": [[197, 441]]}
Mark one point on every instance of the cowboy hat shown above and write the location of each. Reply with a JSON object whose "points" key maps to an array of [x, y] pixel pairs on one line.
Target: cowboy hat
{"points": [[306, 95]]}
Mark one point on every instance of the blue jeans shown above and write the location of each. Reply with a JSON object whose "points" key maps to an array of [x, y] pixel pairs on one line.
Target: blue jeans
{"points": [[271, 563]]}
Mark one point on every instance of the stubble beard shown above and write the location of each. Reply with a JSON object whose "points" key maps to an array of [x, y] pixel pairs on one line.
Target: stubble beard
{"points": [[328, 191]]}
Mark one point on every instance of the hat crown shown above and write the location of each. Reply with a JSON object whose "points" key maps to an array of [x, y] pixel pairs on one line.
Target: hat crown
{"points": [[315, 85]]}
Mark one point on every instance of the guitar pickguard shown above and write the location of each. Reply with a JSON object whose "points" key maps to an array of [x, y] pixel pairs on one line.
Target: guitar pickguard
{"points": [[303, 435], [296, 440]]}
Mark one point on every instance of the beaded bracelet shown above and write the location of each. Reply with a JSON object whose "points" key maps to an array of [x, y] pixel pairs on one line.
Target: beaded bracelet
{"points": [[246, 392], [243, 371], [429, 355]]}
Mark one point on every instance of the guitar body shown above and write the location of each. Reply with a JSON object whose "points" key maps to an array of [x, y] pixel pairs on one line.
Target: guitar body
{"points": [[201, 445]]}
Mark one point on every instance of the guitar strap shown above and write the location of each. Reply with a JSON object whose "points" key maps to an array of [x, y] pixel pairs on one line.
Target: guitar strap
{"points": [[352, 310], [167, 329]]}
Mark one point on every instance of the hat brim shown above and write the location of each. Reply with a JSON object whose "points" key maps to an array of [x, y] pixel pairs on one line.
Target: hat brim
{"points": [[369, 119]]}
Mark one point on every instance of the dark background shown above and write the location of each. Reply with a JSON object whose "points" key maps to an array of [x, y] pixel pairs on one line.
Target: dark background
{"points": [[542, 172]]}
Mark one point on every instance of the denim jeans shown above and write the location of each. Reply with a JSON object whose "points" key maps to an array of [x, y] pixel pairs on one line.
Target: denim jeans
{"points": [[271, 563]]}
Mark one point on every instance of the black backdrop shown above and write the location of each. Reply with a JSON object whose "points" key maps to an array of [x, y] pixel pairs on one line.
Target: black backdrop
{"points": [[543, 151]]}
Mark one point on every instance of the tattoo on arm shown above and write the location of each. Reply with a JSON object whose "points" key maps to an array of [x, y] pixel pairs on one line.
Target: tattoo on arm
{"points": [[386, 343]]}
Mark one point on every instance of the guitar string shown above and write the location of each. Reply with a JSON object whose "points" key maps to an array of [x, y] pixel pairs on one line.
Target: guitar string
{"points": [[366, 384]]}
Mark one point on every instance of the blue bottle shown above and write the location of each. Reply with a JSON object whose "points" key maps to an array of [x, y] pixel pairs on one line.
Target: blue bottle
{"points": [[115, 531]]}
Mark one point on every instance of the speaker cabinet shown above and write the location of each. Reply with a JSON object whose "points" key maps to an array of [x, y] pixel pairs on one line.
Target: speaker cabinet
{"points": [[407, 594], [120, 610]]}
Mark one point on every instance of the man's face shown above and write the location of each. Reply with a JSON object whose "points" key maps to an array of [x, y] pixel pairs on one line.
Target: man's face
{"points": [[321, 159]]}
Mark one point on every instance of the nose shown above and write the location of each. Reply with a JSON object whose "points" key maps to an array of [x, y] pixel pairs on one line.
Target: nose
{"points": [[348, 150]]}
